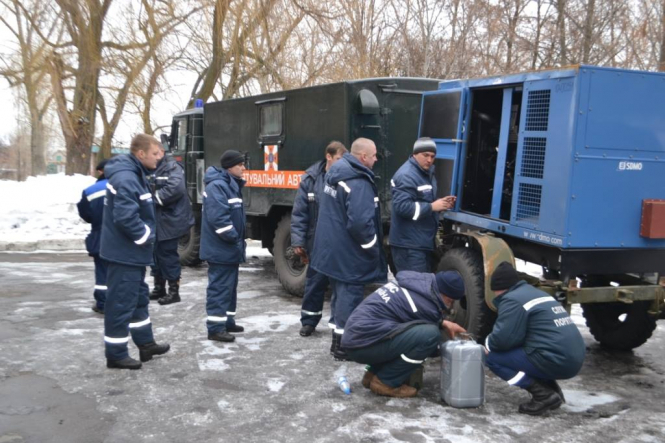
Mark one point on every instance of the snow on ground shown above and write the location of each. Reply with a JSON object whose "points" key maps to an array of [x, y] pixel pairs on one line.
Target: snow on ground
{"points": [[40, 213]]}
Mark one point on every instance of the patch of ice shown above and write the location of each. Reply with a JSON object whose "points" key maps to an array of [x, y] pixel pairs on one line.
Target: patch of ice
{"points": [[580, 401], [223, 404], [211, 349], [275, 385], [249, 294], [337, 407], [213, 364], [251, 343], [270, 322]]}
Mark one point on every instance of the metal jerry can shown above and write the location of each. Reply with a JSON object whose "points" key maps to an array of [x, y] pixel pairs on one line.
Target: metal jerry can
{"points": [[462, 373]]}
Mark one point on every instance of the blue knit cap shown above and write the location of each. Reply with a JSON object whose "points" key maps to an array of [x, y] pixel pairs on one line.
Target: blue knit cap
{"points": [[450, 284]]}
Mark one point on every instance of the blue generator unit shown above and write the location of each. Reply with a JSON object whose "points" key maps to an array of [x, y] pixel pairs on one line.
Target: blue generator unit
{"points": [[564, 169]]}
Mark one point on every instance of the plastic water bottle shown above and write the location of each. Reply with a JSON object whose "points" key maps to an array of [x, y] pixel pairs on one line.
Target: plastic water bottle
{"points": [[344, 385]]}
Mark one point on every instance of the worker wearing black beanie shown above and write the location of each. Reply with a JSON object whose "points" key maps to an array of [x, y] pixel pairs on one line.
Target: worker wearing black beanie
{"points": [[231, 158], [534, 341]]}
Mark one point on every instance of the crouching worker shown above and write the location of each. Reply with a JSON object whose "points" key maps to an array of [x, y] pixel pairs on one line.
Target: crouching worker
{"points": [[398, 326], [534, 342]]}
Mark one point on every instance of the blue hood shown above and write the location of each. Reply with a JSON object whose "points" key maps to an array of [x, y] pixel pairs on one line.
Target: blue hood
{"points": [[423, 283], [346, 168], [316, 169], [214, 173], [125, 162]]}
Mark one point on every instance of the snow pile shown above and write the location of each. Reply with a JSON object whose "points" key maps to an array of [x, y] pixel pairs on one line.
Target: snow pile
{"points": [[40, 213]]}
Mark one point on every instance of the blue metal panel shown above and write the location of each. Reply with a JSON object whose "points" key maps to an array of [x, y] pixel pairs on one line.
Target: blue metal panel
{"points": [[625, 111], [544, 153], [503, 152], [606, 207], [452, 149]]}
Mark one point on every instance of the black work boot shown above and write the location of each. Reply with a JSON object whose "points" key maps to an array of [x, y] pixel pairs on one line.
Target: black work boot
{"points": [[221, 336], [338, 353], [554, 385], [235, 329], [543, 399], [125, 363], [148, 350], [158, 289], [174, 293], [306, 330]]}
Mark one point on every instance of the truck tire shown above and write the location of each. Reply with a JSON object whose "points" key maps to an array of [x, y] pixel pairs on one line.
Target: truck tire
{"points": [[620, 326], [471, 312], [290, 270], [188, 246]]}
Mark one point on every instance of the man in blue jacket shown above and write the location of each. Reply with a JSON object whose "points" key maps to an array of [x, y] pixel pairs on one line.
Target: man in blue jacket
{"points": [[351, 253], [534, 342], [91, 209], [128, 234], [415, 209], [223, 243], [398, 326], [174, 219], [303, 227]]}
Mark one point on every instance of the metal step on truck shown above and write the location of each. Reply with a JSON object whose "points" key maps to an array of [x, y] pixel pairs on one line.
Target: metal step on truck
{"points": [[565, 169], [281, 135]]}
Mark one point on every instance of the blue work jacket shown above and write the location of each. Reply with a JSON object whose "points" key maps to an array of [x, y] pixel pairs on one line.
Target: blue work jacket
{"points": [[413, 224], [174, 210], [91, 209], [393, 308], [128, 228], [349, 244], [223, 218], [305, 211]]}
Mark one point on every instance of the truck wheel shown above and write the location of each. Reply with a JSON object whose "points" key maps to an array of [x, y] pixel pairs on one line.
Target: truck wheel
{"points": [[290, 270], [471, 312], [620, 326], [188, 246]]}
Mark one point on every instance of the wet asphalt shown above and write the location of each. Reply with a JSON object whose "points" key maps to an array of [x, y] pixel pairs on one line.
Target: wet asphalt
{"points": [[271, 385]]}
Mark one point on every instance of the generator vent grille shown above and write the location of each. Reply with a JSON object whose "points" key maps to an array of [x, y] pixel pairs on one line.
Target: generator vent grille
{"points": [[528, 202], [537, 110], [533, 157]]}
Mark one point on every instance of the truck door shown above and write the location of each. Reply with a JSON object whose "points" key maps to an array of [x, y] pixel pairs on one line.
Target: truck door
{"points": [[443, 117]]}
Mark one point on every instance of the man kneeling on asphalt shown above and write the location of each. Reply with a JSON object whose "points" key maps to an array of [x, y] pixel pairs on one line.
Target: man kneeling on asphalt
{"points": [[534, 342], [398, 326]]}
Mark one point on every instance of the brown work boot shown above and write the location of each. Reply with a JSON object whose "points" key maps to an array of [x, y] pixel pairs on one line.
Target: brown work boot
{"points": [[379, 388], [367, 378]]}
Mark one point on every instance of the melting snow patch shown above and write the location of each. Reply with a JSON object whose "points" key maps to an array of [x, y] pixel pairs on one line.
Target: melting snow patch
{"points": [[249, 294], [270, 323], [251, 343], [223, 404], [196, 419], [242, 268], [211, 349], [275, 385], [213, 364], [580, 401], [338, 407]]}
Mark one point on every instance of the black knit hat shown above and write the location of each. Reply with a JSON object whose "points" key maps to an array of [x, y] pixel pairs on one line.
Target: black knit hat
{"points": [[424, 144], [231, 158], [101, 165], [504, 277], [450, 284]]}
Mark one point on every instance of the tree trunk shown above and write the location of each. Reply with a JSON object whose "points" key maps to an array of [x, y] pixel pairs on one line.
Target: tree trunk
{"points": [[561, 28], [37, 148], [588, 31]]}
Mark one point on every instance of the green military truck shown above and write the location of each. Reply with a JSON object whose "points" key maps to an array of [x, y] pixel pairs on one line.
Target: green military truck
{"points": [[281, 135]]}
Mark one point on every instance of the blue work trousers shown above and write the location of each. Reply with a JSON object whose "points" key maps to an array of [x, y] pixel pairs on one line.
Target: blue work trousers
{"points": [[395, 359], [221, 297], [346, 297], [514, 367], [167, 260], [126, 310], [312, 302], [406, 259], [101, 288]]}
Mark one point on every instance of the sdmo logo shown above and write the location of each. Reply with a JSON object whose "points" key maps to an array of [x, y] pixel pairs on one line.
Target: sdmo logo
{"points": [[630, 166]]}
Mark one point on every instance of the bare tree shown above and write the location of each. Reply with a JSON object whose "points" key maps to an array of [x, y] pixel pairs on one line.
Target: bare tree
{"points": [[28, 69]]}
